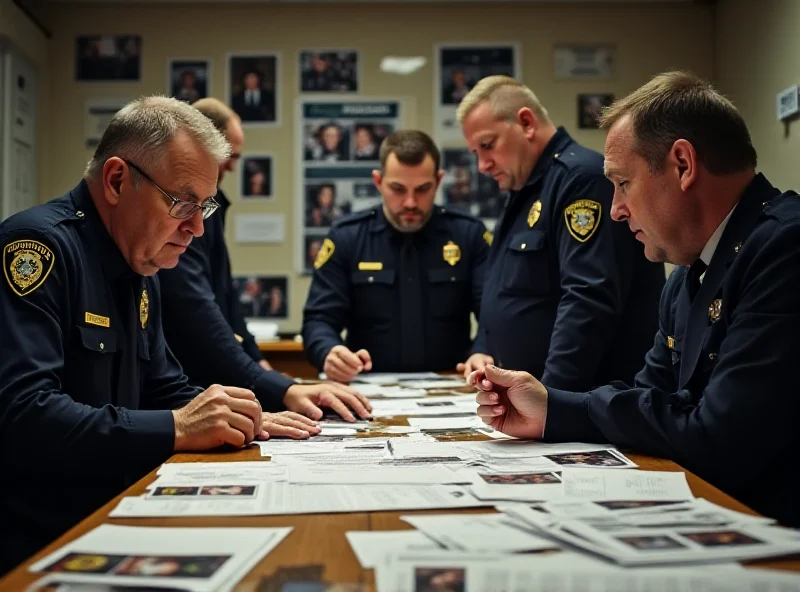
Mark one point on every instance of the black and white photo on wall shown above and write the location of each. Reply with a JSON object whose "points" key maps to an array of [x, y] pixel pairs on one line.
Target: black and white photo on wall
{"points": [[253, 88], [329, 71], [188, 79], [590, 107], [102, 58], [256, 176]]}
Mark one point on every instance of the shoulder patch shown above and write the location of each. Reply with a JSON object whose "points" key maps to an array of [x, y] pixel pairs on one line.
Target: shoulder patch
{"points": [[26, 264], [325, 252], [488, 237], [583, 217]]}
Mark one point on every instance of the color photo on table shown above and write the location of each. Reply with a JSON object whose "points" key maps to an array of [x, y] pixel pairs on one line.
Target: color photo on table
{"points": [[189, 566], [440, 579], [598, 458], [522, 478]]}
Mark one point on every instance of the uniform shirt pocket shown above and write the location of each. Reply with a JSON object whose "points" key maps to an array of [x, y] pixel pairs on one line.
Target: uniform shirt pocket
{"points": [[94, 365], [373, 293], [449, 295], [526, 268]]}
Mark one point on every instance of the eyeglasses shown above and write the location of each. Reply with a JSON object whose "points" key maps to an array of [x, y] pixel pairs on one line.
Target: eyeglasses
{"points": [[180, 208]]}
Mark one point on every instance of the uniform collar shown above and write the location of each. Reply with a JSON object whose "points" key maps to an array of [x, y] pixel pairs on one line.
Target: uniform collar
{"points": [[111, 258], [560, 140]]}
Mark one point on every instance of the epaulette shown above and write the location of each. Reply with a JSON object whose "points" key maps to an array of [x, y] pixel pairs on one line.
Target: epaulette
{"points": [[445, 211], [359, 216]]}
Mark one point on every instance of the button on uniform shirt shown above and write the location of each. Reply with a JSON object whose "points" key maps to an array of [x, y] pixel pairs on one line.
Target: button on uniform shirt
{"points": [[404, 297], [86, 379], [718, 391], [569, 296], [203, 319]]}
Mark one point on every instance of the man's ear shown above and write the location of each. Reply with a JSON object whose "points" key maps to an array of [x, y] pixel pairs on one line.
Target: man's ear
{"points": [[114, 176], [683, 160], [377, 178], [527, 120]]}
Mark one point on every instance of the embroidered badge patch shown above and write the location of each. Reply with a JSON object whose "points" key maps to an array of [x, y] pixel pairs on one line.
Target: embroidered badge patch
{"points": [[26, 264], [582, 218], [325, 252]]}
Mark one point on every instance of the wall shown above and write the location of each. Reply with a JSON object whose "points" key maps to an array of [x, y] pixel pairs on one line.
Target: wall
{"points": [[34, 45], [757, 45], [650, 38]]}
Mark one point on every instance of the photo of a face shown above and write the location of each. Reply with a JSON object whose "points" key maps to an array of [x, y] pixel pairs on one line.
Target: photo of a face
{"points": [[439, 579], [171, 566], [229, 490], [651, 543], [256, 177], [188, 79], [252, 88], [522, 479], [600, 458], [722, 538], [174, 491]]}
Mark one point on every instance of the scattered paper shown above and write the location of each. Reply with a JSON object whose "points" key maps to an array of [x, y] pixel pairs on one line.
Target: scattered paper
{"points": [[600, 484], [371, 546]]}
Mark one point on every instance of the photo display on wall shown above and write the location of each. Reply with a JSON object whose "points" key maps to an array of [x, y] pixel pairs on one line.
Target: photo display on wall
{"points": [[338, 152]]}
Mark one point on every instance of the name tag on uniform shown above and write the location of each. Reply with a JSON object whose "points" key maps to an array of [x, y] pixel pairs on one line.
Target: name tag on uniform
{"points": [[370, 265], [93, 319]]}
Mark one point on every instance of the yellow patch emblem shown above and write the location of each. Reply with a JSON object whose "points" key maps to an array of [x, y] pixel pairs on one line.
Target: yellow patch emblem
{"points": [[93, 319], [488, 237], [534, 213], [583, 218], [26, 264], [144, 309], [325, 252], [451, 253], [370, 265]]}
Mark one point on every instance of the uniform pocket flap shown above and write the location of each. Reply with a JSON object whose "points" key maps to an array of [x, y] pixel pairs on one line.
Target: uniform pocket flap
{"points": [[436, 276], [385, 276], [98, 339], [530, 240]]}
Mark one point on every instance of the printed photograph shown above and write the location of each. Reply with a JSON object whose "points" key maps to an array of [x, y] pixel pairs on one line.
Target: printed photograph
{"points": [[174, 491], [629, 505], [262, 296], [108, 58], [94, 563], [722, 538], [522, 479], [367, 140], [170, 566], [234, 490], [253, 87], [465, 189], [460, 68], [600, 458], [651, 543], [189, 79], [439, 579], [434, 403], [256, 177], [324, 205], [326, 142], [329, 71], [590, 108]]}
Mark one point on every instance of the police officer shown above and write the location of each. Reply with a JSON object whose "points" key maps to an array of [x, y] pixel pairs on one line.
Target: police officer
{"points": [[90, 396], [221, 349], [403, 278], [718, 391], [569, 295]]}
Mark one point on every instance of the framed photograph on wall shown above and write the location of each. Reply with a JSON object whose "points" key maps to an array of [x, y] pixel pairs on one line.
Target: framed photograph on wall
{"points": [[188, 79], [253, 87], [108, 58], [256, 171], [590, 107], [584, 62], [263, 297], [329, 71]]}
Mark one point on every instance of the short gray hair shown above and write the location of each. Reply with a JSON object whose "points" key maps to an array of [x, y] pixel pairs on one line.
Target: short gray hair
{"points": [[505, 95], [142, 130]]}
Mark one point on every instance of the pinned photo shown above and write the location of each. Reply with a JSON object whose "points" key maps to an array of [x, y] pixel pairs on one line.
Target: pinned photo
{"points": [[256, 177], [329, 71], [263, 296], [253, 86], [189, 79], [108, 58]]}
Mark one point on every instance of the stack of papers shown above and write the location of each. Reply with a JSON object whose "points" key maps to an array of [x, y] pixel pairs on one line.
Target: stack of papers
{"points": [[663, 533], [195, 559]]}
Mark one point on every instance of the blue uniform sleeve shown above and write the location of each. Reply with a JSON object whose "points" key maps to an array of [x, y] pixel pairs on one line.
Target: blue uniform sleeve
{"points": [[328, 306], [480, 242], [39, 422], [596, 269], [205, 342], [748, 411]]}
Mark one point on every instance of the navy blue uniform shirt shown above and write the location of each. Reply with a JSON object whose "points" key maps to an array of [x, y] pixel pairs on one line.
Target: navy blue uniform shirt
{"points": [[203, 317], [404, 297], [86, 379], [718, 392], [569, 295]]}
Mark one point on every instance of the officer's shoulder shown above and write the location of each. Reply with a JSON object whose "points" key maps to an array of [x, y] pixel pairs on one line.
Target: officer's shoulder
{"points": [[451, 216], [785, 208], [579, 160], [356, 218], [42, 221]]}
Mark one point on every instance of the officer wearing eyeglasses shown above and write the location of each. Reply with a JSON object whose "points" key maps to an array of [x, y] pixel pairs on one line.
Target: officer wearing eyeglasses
{"points": [[91, 397]]}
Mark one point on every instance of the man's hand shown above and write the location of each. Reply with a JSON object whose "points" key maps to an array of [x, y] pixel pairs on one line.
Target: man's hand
{"points": [[514, 403], [219, 415], [342, 365], [287, 425], [474, 362], [307, 399], [265, 365]]}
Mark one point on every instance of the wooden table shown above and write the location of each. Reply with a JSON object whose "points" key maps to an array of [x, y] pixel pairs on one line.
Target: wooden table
{"points": [[319, 539], [287, 356]]}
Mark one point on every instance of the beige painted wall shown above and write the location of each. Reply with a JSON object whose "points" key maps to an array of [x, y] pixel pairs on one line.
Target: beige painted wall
{"points": [[650, 38], [757, 47]]}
